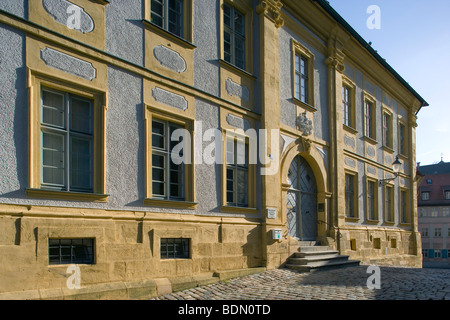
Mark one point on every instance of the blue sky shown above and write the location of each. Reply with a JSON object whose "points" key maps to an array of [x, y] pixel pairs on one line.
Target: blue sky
{"points": [[414, 38]]}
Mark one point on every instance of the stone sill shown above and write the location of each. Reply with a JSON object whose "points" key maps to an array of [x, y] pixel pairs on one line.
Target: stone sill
{"points": [[170, 203], [66, 195]]}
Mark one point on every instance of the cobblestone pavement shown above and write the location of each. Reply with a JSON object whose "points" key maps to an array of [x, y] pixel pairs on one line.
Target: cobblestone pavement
{"points": [[340, 284]]}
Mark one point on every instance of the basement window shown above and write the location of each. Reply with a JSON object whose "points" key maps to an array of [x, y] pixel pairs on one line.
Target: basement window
{"points": [[70, 251], [175, 248]]}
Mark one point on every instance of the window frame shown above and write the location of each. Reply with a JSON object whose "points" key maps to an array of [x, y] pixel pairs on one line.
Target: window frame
{"points": [[422, 195], [387, 129], [447, 194], [389, 205], [372, 199], [300, 50], [186, 254], [245, 8], [35, 187], [165, 153], [250, 144], [166, 14], [437, 232], [403, 138], [236, 167], [186, 17], [404, 219], [349, 113], [354, 193], [369, 122], [91, 260], [189, 188], [68, 134]]}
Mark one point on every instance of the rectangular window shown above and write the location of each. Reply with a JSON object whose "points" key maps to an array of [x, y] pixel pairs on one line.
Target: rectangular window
{"points": [[447, 195], [350, 196], [168, 14], [237, 172], [404, 217], [369, 128], [425, 253], [301, 78], [167, 176], [437, 232], [424, 232], [402, 141], [387, 130], [347, 105], [371, 201], [425, 196], [175, 248], [70, 251], [389, 203], [437, 253], [234, 36], [67, 142]]}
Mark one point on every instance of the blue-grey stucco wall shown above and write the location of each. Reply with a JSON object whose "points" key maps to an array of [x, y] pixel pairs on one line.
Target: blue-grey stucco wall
{"points": [[14, 114], [288, 109]]}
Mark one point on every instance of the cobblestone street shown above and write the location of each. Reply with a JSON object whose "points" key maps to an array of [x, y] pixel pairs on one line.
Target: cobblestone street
{"points": [[340, 284]]}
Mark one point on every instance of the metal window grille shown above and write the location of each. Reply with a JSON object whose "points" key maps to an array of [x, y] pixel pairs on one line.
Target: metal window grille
{"points": [[70, 251], [175, 248]]}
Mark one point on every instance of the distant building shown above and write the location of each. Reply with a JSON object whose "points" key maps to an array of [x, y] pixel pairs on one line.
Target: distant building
{"points": [[434, 214]]}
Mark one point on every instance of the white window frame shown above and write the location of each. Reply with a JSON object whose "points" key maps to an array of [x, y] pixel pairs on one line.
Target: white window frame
{"points": [[166, 16], [65, 131]]}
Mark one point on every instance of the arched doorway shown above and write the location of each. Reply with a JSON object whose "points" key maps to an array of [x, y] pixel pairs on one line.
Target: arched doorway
{"points": [[301, 199]]}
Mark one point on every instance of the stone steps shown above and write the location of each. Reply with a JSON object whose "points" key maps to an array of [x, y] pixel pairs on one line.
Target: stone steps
{"points": [[316, 257]]}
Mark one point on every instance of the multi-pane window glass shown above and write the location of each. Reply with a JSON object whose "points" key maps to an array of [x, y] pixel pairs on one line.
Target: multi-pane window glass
{"points": [[425, 196], [347, 105], [438, 232], [67, 142], [234, 36], [403, 206], [301, 78], [177, 248], [369, 130], [402, 139], [388, 198], [71, 251], [168, 14], [167, 176], [237, 173], [447, 195], [350, 195], [387, 130], [371, 193]]}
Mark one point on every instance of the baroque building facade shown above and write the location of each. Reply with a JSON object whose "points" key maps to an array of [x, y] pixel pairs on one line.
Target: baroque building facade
{"points": [[98, 95]]}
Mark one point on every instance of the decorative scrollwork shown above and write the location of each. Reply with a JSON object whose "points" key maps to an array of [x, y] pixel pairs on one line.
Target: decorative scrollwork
{"points": [[304, 124]]}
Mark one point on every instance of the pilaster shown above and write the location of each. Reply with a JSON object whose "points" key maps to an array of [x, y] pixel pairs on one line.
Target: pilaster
{"points": [[336, 67], [270, 20]]}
